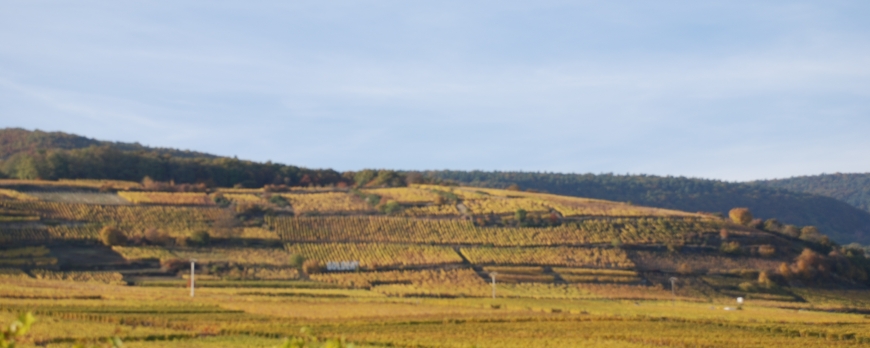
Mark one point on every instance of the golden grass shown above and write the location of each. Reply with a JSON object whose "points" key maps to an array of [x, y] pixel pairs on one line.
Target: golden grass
{"points": [[12, 194], [329, 202], [241, 256], [167, 198], [404, 195]]}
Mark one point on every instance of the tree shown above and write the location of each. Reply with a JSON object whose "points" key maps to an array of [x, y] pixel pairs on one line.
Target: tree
{"points": [[311, 267], [731, 248], [772, 225], [297, 261], [111, 236], [740, 216], [200, 238], [810, 233], [791, 231], [520, 215], [157, 237], [764, 280], [391, 207]]}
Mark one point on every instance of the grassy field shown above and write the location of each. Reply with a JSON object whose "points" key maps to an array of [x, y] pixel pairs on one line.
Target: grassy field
{"points": [[88, 311]]}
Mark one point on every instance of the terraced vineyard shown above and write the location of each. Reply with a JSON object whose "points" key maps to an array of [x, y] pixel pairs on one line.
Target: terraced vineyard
{"points": [[375, 255], [90, 267], [167, 198], [549, 256]]}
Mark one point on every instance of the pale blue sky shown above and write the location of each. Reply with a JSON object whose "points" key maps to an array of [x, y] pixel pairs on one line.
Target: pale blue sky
{"points": [[733, 90]]}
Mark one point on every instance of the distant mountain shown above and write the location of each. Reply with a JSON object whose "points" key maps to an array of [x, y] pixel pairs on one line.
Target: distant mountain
{"points": [[841, 221], [850, 188]]}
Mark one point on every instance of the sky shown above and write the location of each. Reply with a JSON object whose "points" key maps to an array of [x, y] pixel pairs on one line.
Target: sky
{"points": [[730, 90]]}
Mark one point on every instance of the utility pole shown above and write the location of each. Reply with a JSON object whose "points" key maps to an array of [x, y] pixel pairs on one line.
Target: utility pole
{"points": [[192, 285], [492, 275]]}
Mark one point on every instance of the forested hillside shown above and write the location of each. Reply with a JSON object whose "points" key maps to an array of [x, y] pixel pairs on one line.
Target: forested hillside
{"points": [[843, 222], [42, 155], [850, 188]]}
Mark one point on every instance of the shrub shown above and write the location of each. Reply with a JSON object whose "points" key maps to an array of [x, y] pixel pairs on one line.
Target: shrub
{"points": [[616, 242], [810, 233], [785, 271], [279, 201], [766, 250], [520, 215], [391, 207], [723, 233], [756, 223], [740, 216], [772, 225], [111, 236], [297, 260], [747, 286], [221, 201], [791, 231], [174, 265], [684, 268], [311, 267], [764, 280], [731, 248], [157, 237], [200, 238]]}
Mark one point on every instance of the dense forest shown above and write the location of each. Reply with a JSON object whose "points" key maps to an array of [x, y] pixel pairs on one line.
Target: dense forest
{"points": [[35, 154], [51, 156], [850, 188]]}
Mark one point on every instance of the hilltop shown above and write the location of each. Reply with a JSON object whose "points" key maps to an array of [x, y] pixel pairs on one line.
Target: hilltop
{"points": [[56, 155], [850, 188]]}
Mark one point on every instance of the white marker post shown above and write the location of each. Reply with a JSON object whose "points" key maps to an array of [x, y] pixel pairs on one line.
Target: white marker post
{"points": [[492, 275], [673, 286], [192, 285]]}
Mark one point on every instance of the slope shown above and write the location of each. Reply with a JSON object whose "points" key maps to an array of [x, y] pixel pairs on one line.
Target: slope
{"points": [[841, 221], [850, 188]]}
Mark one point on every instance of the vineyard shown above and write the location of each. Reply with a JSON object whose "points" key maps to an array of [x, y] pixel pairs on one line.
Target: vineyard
{"points": [[175, 219], [404, 195], [375, 256], [91, 265], [241, 256], [552, 256], [431, 211], [404, 230], [502, 201], [166, 198], [327, 203]]}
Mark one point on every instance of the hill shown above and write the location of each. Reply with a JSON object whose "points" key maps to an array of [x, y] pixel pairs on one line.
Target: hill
{"points": [[56, 155], [843, 222], [850, 188], [100, 258]]}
